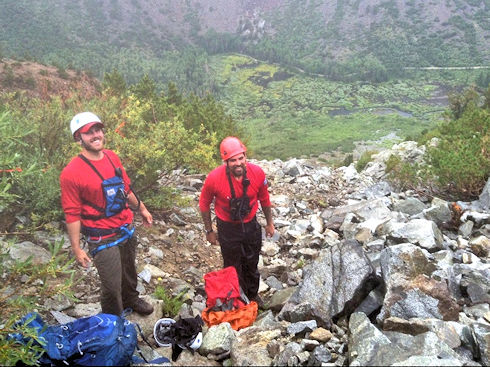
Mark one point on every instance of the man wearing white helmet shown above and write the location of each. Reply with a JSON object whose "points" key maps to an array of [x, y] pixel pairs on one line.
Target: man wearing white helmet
{"points": [[96, 197]]}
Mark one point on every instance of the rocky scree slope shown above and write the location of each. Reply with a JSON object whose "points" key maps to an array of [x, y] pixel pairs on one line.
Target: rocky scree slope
{"points": [[357, 273]]}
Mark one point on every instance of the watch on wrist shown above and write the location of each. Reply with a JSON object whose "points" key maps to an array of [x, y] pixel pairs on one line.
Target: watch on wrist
{"points": [[209, 231]]}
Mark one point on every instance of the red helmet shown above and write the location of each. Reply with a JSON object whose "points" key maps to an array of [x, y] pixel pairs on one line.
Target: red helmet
{"points": [[231, 146]]}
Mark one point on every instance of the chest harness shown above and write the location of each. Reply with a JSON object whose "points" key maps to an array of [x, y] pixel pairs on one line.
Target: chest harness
{"points": [[116, 201], [239, 207]]}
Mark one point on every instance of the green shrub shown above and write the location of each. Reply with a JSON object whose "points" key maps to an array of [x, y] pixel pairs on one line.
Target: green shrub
{"points": [[153, 135], [349, 158], [461, 160], [404, 175], [458, 166], [152, 149], [171, 305], [364, 159], [14, 168], [62, 73]]}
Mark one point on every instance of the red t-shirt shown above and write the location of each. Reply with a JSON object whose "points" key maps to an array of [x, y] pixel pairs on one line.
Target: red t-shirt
{"points": [[216, 187], [80, 183]]}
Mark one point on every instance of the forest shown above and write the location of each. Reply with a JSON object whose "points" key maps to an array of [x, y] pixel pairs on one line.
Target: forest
{"points": [[292, 79]]}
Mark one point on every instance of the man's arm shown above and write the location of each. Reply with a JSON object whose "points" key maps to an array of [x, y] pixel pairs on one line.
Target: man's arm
{"points": [[211, 236], [269, 227], [147, 217], [73, 230]]}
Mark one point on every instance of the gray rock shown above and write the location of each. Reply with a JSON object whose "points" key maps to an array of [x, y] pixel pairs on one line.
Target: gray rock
{"points": [[410, 206], [301, 328], [217, 340], [250, 347], [279, 298], [428, 361], [24, 250], [319, 357], [336, 282], [482, 336], [484, 199], [419, 231], [438, 212]]}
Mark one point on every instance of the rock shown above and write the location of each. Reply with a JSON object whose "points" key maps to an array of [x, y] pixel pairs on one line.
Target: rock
{"points": [[24, 250], [337, 278]]}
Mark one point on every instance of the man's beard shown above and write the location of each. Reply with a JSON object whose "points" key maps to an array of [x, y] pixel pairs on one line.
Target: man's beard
{"points": [[89, 148], [232, 170]]}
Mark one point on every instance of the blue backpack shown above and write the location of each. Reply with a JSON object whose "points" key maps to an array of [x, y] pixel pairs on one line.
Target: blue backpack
{"points": [[100, 340]]}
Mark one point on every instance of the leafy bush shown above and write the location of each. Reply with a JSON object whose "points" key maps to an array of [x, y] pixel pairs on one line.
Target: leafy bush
{"points": [[461, 160], [364, 159], [349, 158], [458, 166], [12, 169], [154, 133], [152, 149], [404, 175], [171, 305]]}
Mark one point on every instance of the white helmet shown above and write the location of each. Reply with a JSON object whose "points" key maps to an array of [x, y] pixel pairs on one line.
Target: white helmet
{"points": [[82, 119], [161, 332]]}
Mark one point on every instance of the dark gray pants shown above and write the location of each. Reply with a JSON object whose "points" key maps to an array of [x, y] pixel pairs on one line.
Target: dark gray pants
{"points": [[240, 247], [117, 272]]}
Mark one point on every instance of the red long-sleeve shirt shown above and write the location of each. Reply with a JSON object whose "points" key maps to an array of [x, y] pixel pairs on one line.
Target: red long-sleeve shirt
{"points": [[80, 183], [217, 188]]}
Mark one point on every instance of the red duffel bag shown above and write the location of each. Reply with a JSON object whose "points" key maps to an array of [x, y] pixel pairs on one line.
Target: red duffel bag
{"points": [[225, 300]]}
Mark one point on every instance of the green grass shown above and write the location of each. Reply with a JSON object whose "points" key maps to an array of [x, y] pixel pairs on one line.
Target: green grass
{"points": [[313, 133], [291, 115]]}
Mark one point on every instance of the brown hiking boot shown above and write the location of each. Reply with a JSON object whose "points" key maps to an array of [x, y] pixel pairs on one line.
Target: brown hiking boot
{"points": [[142, 307]]}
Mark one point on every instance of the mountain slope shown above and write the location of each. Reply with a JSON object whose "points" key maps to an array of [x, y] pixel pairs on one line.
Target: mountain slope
{"points": [[138, 36]]}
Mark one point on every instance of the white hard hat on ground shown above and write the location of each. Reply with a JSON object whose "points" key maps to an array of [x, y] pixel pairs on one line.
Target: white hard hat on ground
{"points": [[161, 330]]}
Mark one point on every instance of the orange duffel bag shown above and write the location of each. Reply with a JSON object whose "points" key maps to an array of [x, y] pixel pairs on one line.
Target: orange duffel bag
{"points": [[239, 318]]}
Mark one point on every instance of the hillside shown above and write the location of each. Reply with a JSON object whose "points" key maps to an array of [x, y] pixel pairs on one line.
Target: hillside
{"points": [[42, 81], [323, 36], [307, 77]]}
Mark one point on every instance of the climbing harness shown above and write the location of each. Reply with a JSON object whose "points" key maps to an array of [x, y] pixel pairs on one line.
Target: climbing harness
{"points": [[127, 234]]}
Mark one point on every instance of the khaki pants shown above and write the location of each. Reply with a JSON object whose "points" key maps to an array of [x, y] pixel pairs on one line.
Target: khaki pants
{"points": [[117, 272]]}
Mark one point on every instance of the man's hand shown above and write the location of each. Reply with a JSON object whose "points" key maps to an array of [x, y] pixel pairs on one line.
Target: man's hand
{"points": [[212, 238], [147, 217], [82, 257], [73, 229], [269, 230]]}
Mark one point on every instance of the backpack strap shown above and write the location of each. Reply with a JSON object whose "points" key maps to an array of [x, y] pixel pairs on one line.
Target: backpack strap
{"points": [[83, 158]]}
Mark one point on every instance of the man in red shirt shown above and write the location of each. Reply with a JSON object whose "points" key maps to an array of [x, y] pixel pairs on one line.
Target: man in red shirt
{"points": [[95, 193], [236, 188]]}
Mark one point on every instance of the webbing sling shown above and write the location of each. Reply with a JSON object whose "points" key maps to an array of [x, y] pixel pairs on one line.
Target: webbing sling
{"points": [[128, 233]]}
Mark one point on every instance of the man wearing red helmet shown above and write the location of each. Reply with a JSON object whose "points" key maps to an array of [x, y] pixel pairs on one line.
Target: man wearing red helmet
{"points": [[236, 188], [95, 192]]}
